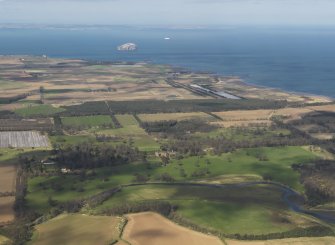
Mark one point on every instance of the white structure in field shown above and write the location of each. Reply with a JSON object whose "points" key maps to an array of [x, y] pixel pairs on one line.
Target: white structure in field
{"points": [[23, 139]]}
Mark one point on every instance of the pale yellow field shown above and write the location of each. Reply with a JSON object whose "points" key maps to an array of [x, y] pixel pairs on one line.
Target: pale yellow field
{"points": [[4, 240], [289, 241], [77, 229], [245, 115], [7, 178], [174, 116], [6, 209], [153, 229], [330, 108], [242, 123]]}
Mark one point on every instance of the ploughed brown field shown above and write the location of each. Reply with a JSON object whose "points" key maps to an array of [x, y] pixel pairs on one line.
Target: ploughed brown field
{"points": [[7, 178], [6, 209], [152, 229]]}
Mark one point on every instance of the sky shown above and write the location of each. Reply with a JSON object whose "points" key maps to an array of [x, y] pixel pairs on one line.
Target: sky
{"points": [[170, 12]]}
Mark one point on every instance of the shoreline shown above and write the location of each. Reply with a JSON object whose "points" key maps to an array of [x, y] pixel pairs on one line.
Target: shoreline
{"points": [[190, 70]]}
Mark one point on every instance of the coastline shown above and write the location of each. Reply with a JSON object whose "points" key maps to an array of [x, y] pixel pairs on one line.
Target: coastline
{"points": [[238, 81]]}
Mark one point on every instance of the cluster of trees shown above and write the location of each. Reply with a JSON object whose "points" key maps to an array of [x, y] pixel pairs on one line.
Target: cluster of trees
{"points": [[162, 207], [4, 114], [172, 106], [178, 128], [8, 100], [88, 156], [318, 179], [323, 122], [194, 146]]}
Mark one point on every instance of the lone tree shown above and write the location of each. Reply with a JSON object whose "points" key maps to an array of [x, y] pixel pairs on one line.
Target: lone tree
{"points": [[42, 90]]}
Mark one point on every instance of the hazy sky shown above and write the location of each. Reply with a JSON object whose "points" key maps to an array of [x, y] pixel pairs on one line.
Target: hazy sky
{"points": [[169, 12]]}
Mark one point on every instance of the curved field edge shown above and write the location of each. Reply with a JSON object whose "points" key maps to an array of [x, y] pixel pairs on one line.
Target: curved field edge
{"points": [[151, 228], [241, 162], [4, 240], [147, 234], [78, 229], [252, 211]]}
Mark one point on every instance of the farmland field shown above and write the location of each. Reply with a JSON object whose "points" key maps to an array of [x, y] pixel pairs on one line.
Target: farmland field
{"points": [[132, 131], [23, 139], [38, 110], [175, 116], [3, 240], [151, 229], [25, 124], [77, 229], [7, 178], [6, 209], [87, 121]]}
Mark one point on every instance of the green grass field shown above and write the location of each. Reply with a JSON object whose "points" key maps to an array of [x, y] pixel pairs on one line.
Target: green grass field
{"points": [[241, 162], [71, 139], [131, 131], [88, 121], [12, 155], [77, 229], [4, 240], [244, 210], [43, 110], [245, 161]]}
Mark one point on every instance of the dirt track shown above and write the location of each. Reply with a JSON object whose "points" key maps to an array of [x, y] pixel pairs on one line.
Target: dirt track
{"points": [[152, 229]]}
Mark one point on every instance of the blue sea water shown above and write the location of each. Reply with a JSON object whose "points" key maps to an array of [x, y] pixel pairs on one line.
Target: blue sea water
{"points": [[294, 59]]}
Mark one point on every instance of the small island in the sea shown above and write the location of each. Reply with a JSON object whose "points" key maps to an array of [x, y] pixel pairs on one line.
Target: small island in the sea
{"points": [[127, 47]]}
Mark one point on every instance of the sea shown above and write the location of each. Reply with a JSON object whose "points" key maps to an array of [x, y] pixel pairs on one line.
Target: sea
{"points": [[300, 59]]}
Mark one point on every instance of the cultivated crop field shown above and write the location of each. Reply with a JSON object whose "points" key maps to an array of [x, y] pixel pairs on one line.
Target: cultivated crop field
{"points": [[87, 121], [42, 124], [151, 229], [38, 110], [23, 139], [78, 229], [131, 130], [6, 209], [175, 116], [7, 178], [3, 240]]}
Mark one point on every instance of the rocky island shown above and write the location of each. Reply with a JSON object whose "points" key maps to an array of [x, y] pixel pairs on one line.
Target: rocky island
{"points": [[127, 47]]}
